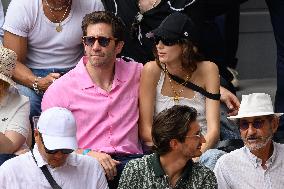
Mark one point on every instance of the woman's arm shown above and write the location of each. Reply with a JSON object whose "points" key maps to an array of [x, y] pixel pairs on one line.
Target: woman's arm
{"points": [[17, 131], [147, 95], [212, 85]]}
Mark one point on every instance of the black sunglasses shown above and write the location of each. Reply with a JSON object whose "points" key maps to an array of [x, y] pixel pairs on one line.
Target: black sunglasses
{"points": [[64, 151], [257, 124], [167, 42], [103, 41]]}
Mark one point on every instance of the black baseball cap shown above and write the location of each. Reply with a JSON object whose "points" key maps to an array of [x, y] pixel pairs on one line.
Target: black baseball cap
{"points": [[177, 26]]}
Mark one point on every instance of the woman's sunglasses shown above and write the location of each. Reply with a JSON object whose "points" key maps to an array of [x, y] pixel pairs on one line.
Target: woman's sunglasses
{"points": [[103, 41], [64, 151], [167, 42], [257, 124]]}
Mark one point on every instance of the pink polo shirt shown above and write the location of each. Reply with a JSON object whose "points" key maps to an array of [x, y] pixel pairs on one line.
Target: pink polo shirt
{"points": [[106, 121]]}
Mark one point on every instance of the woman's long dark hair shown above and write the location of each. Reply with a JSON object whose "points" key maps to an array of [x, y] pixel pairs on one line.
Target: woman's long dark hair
{"points": [[190, 55]]}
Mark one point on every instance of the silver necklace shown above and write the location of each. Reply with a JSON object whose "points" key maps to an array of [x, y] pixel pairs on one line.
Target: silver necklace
{"points": [[57, 8], [59, 27]]}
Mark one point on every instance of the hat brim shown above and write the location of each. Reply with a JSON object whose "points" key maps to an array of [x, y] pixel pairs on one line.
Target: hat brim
{"points": [[254, 115], [8, 80], [59, 142]]}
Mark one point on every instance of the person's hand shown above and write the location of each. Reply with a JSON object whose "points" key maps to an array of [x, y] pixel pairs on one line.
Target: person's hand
{"points": [[231, 101], [107, 163], [45, 82]]}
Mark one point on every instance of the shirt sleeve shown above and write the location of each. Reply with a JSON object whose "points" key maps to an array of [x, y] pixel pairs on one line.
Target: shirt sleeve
{"points": [[55, 96], [20, 121], [99, 5], [220, 175], [102, 182], [18, 18], [210, 181], [130, 176], [5, 177]]}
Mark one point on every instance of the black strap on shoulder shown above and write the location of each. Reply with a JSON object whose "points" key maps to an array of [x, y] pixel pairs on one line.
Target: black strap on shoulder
{"points": [[195, 87], [47, 175]]}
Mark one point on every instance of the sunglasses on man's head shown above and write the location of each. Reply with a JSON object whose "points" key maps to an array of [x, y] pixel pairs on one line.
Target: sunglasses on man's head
{"points": [[63, 151], [167, 42], [103, 41], [257, 124]]}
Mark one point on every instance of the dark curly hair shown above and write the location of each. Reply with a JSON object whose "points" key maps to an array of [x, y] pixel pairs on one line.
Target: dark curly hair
{"points": [[117, 25]]}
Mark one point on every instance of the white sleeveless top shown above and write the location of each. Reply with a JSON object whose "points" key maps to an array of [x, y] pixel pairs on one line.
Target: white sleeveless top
{"points": [[197, 102]]}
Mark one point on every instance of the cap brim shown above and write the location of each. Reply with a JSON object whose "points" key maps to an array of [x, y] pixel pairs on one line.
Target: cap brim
{"points": [[59, 142], [255, 114]]}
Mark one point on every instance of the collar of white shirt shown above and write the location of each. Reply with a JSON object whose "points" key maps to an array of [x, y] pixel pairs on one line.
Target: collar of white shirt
{"points": [[257, 161], [72, 159]]}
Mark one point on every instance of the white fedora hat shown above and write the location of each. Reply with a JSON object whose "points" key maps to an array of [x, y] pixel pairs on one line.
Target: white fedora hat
{"points": [[255, 104]]}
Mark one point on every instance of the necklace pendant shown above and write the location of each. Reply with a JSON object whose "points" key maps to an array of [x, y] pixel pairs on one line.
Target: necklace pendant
{"points": [[176, 99], [58, 28]]}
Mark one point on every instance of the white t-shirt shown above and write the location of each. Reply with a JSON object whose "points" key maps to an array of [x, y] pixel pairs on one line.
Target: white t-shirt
{"points": [[48, 48]]}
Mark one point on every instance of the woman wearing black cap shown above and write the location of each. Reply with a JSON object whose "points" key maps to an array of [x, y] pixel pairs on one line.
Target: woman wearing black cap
{"points": [[179, 75]]}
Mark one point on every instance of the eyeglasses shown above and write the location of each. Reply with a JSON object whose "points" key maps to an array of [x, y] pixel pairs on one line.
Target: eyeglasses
{"points": [[103, 41], [167, 42], [257, 124], [199, 134], [64, 151]]}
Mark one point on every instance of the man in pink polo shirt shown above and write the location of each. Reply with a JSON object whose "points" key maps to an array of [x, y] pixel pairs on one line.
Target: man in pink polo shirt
{"points": [[102, 93]]}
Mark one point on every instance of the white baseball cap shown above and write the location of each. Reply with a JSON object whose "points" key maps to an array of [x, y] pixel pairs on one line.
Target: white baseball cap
{"points": [[58, 129]]}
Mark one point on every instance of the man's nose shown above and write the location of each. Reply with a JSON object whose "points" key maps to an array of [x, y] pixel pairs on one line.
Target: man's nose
{"points": [[160, 45], [251, 130], [96, 45]]}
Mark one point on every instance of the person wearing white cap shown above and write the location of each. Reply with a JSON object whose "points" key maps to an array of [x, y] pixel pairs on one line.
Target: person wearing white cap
{"points": [[51, 164], [260, 163], [15, 132]]}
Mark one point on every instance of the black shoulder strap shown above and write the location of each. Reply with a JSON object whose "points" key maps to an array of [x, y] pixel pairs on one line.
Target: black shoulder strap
{"points": [[47, 175], [196, 88]]}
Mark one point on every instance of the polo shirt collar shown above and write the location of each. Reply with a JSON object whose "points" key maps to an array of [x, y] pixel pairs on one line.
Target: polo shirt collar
{"points": [[159, 171], [87, 82], [71, 159]]}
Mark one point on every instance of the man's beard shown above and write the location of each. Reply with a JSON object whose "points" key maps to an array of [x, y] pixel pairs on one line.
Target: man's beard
{"points": [[258, 144]]}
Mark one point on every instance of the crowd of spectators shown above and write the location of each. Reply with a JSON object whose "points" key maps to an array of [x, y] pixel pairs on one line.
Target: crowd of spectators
{"points": [[127, 94]]}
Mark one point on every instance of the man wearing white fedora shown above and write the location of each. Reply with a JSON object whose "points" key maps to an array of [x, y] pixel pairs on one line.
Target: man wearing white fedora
{"points": [[260, 163]]}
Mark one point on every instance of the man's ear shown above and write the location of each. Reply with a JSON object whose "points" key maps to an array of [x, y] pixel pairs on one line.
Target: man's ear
{"points": [[118, 47], [275, 123], [174, 143]]}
